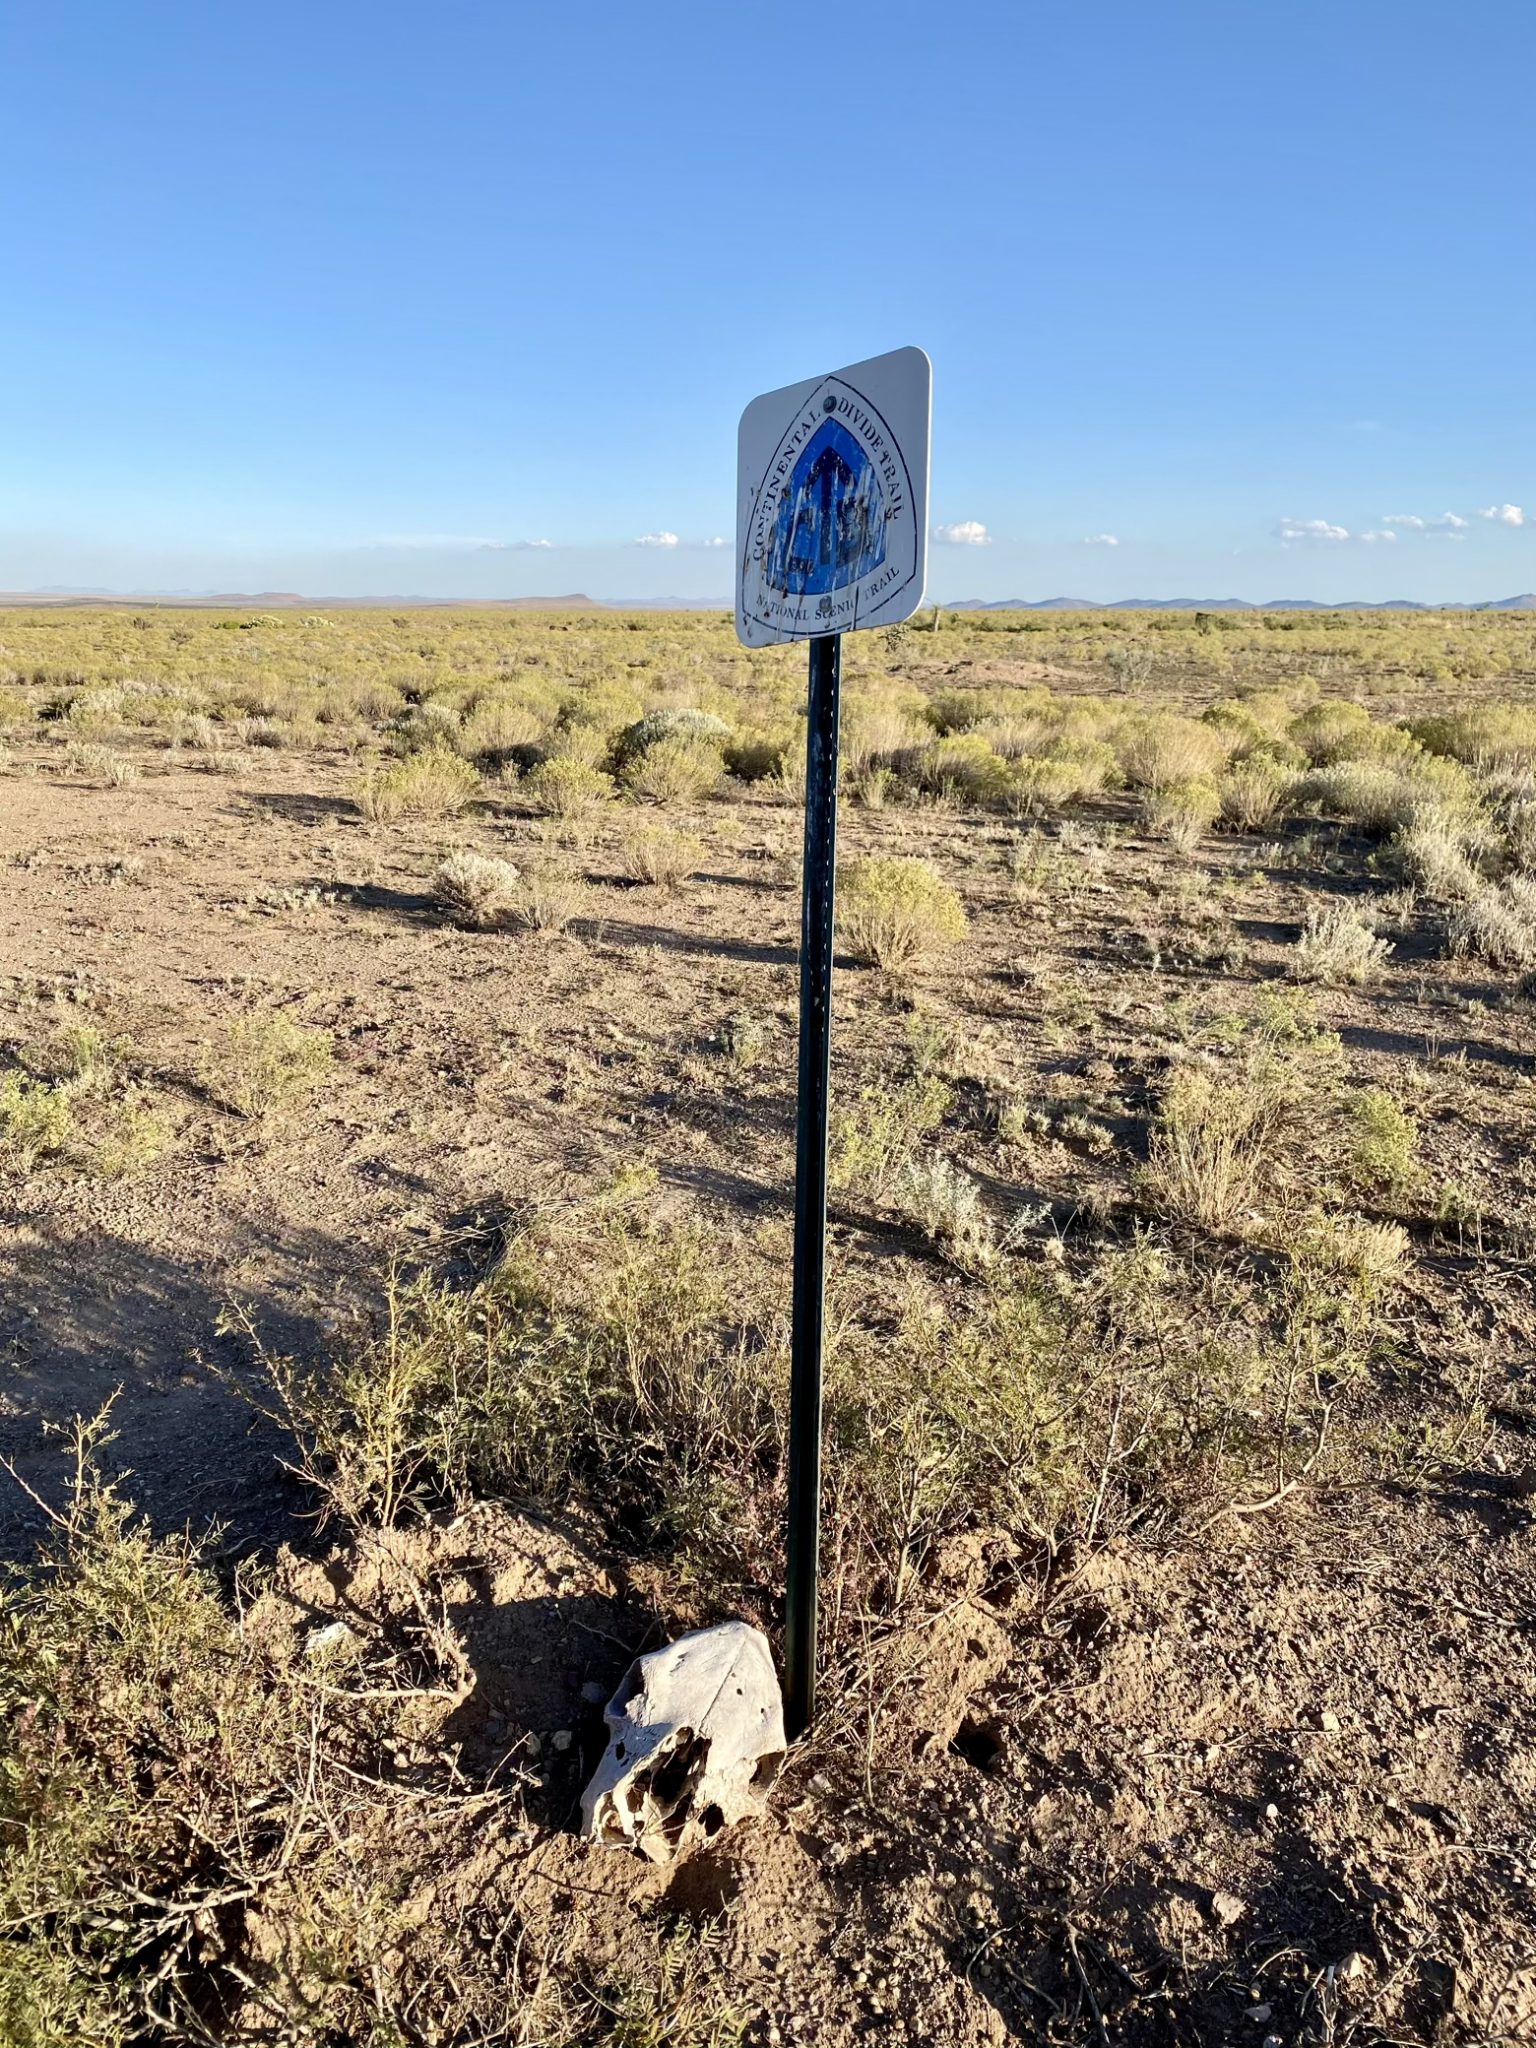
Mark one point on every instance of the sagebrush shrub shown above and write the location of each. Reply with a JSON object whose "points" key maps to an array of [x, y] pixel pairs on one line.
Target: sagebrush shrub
{"points": [[1338, 948], [658, 728], [1254, 793], [475, 888], [1432, 852], [1497, 924], [894, 912]]}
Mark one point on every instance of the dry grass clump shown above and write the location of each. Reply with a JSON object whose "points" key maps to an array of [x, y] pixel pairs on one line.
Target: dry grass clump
{"points": [[894, 912], [263, 1065], [565, 787], [1338, 948], [103, 765], [499, 729], [428, 785], [877, 733], [550, 897], [1210, 1150], [653, 851], [475, 888], [1519, 827], [1498, 924]]}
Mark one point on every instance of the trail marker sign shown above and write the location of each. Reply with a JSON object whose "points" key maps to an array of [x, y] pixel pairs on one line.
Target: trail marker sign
{"points": [[832, 501], [831, 537]]}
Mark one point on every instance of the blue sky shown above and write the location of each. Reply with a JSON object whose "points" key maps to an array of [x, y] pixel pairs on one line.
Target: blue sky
{"points": [[351, 299]]}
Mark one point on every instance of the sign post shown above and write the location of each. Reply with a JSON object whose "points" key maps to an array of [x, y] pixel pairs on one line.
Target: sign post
{"points": [[831, 537]]}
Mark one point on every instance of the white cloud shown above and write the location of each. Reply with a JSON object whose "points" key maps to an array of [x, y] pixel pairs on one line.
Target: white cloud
{"points": [[513, 547], [1410, 519], [1101, 540], [657, 540], [1507, 515], [719, 541], [1290, 530], [965, 533], [1379, 535], [1448, 522]]}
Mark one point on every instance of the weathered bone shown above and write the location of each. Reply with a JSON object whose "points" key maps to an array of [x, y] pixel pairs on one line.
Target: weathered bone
{"points": [[696, 1737]]}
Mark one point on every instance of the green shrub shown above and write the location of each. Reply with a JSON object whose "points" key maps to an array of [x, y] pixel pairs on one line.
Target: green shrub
{"points": [[874, 1141], [1181, 812], [682, 769], [1161, 749], [262, 1065], [894, 912], [963, 765], [565, 787], [431, 784], [36, 1121], [1383, 1143], [1211, 1148]]}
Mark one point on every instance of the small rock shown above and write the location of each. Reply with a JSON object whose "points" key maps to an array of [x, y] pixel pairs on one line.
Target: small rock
{"points": [[1353, 1967], [1273, 2041], [1328, 1721], [593, 1693], [1259, 2013], [1271, 1812], [532, 1746], [561, 1740], [331, 1637], [1227, 1908]]}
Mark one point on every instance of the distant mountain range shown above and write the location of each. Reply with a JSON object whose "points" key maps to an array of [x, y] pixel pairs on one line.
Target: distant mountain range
{"points": [[1524, 603], [292, 601], [577, 601]]}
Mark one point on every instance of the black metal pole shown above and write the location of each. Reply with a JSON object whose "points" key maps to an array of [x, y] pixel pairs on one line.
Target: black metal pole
{"points": [[811, 1185]]}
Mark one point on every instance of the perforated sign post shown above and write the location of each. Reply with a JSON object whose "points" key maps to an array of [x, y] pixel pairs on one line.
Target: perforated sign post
{"points": [[831, 538]]}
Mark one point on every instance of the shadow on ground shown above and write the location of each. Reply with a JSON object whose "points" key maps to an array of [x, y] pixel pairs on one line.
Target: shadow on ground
{"points": [[132, 1327]]}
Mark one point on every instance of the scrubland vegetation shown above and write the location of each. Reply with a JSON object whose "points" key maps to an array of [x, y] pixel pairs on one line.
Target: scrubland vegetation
{"points": [[1182, 1226]]}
